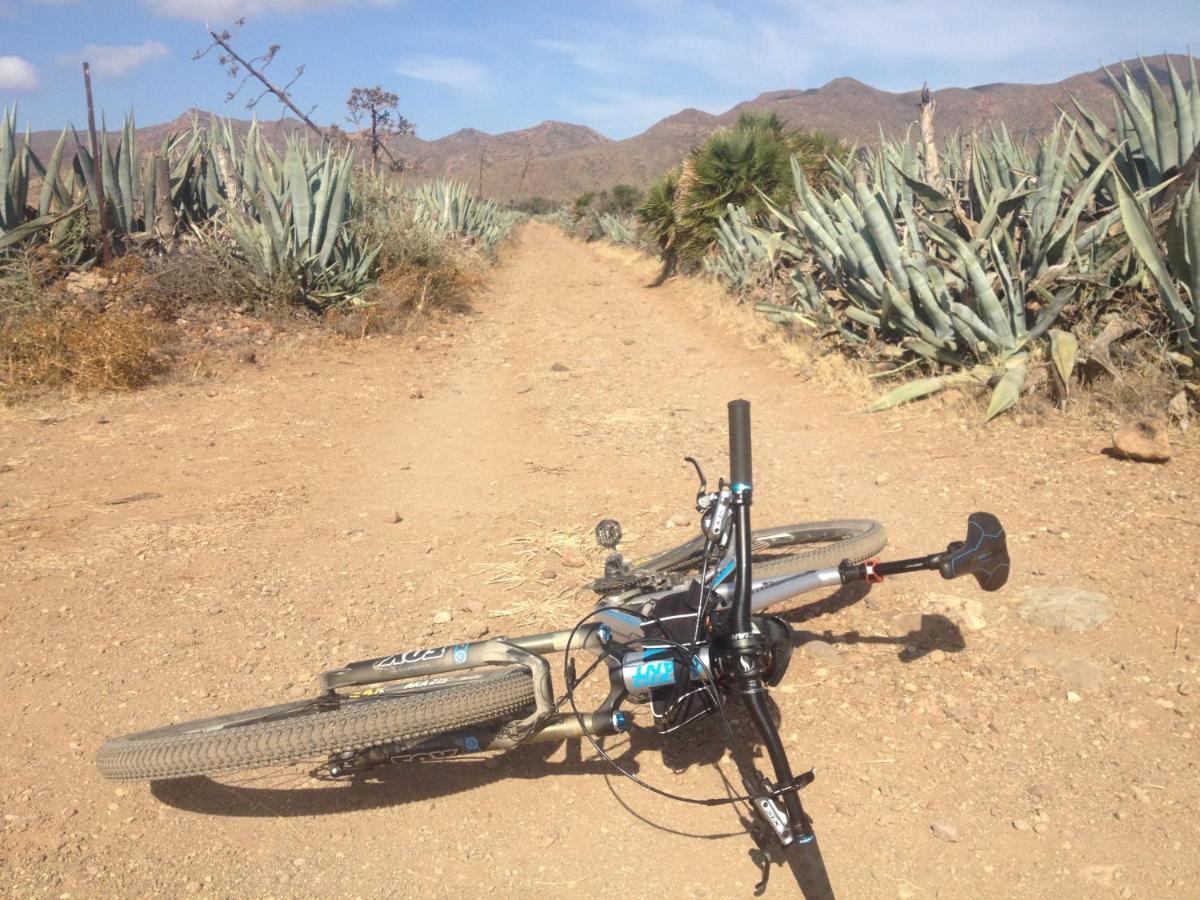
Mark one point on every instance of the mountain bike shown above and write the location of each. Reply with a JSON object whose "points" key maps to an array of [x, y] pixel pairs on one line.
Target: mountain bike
{"points": [[680, 632]]}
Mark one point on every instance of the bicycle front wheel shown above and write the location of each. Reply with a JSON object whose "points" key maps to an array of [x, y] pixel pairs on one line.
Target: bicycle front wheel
{"points": [[305, 730], [787, 549]]}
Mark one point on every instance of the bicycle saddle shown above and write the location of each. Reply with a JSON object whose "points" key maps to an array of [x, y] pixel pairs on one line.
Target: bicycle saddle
{"points": [[983, 554]]}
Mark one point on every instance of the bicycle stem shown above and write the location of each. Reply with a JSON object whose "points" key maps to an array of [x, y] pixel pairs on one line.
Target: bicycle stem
{"points": [[747, 647]]}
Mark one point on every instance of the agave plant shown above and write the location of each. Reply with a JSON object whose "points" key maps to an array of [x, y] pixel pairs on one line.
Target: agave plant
{"points": [[289, 217], [19, 220], [449, 207], [1175, 270], [913, 268], [618, 229], [746, 254]]}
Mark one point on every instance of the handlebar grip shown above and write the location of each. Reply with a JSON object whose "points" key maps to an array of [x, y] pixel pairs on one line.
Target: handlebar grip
{"points": [[739, 443]]}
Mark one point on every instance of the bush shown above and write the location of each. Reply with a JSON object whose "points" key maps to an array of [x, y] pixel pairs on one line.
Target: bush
{"points": [[55, 345]]}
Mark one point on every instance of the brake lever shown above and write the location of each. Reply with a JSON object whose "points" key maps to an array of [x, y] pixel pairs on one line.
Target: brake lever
{"points": [[702, 493]]}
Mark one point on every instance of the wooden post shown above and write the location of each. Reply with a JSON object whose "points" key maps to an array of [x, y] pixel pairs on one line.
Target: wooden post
{"points": [[165, 214], [98, 171], [933, 166]]}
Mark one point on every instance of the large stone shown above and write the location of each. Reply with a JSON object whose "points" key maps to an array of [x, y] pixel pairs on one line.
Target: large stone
{"points": [[1077, 672], [1144, 441], [1065, 608]]}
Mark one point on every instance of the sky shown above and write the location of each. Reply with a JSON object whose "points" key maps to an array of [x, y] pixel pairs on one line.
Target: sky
{"points": [[615, 66]]}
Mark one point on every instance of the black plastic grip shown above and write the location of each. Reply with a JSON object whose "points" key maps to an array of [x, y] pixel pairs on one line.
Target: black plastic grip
{"points": [[739, 443]]}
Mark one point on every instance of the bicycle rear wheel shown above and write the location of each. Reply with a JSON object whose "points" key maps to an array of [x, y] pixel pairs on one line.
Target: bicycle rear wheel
{"points": [[775, 551], [303, 730]]}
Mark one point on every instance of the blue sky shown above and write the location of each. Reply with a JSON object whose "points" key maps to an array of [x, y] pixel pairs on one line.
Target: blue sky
{"points": [[615, 66]]}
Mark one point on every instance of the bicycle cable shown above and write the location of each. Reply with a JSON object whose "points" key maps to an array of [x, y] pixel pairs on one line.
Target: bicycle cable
{"points": [[708, 684]]}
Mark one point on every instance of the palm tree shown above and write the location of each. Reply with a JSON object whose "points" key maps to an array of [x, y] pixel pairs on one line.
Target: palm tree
{"points": [[732, 166], [659, 223]]}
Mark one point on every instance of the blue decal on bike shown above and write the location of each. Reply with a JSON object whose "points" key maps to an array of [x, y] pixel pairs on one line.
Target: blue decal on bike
{"points": [[471, 743], [741, 487], [724, 573], [460, 653], [653, 674]]}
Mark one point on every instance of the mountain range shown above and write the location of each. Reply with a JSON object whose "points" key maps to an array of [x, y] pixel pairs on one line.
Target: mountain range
{"points": [[558, 160]]}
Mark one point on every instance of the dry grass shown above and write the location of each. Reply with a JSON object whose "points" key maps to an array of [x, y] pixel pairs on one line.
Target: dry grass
{"points": [[407, 291], [53, 346], [549, 567]]}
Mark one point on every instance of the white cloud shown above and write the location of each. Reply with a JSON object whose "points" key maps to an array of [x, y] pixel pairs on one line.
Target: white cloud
{"points": [[452, 71], [17, 75], [225, 11], [113, 61], [778, 44], [592, 55]]}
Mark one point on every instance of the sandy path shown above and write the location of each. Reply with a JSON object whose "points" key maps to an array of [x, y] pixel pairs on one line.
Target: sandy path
{"points": [[569, 395]]}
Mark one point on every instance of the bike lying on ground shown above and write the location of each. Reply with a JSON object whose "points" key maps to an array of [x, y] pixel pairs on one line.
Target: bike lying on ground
{"points": [[678, 631]]}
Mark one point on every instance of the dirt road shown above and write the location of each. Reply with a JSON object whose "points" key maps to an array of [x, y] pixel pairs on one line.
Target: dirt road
{"points": [[960, 750]]}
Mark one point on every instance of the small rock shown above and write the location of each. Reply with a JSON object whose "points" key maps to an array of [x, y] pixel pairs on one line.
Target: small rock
{"points": [[1179, 410], [1020, 825], [397, 518], [415, 393], [354, 535], [559, 367], [882, 478], [821, 651], [1065, 608], [944, 831], [1142, 441], [5, 468], [475, 630], [1073, 697], [573, 560], [1040, 827], [1099, 874], [192, 887], [937, 656], [248, 356], [442, 617]]}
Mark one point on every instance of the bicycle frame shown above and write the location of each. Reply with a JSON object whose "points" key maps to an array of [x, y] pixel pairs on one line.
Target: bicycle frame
{"points": [[734, 649], [609, 638]]}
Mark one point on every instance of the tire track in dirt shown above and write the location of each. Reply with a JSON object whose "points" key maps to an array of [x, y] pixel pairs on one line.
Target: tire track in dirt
{"points": [[570, 394]]}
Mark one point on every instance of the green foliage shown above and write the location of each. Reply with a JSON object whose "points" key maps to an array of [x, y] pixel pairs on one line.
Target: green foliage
{"points": [[618, 229], [747, 166], [1175, 268], [981, 275], [657, 211], [739, 166], [449, 208], [290, 217], [536, 206]]}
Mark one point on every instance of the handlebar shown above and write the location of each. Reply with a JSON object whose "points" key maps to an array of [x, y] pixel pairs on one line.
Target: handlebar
{"points": [[739, 445]]}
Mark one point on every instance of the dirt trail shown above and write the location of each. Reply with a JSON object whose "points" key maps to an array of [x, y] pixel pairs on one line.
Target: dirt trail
{"points": [[266, 548]]}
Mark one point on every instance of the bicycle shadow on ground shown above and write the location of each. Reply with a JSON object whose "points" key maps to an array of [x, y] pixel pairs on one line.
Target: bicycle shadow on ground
{"points": [[703, 745], [416, 782], [933, 631]]}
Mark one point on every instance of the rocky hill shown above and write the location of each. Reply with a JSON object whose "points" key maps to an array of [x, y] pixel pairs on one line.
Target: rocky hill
{"points": [[560, 160]]}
